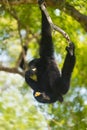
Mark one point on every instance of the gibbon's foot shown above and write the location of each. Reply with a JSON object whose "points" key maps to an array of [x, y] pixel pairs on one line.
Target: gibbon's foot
{"points": [[40, 2], [60, 98], [71, 48]]}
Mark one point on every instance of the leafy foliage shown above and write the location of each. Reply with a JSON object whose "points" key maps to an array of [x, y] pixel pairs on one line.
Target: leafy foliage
{"points": [[18, 110]]}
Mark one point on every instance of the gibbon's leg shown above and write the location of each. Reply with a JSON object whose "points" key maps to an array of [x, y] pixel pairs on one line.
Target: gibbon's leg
{"points": [[67, 69]]}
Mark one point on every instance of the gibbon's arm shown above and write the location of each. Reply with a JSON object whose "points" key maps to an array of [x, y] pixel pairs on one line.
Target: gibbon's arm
{"points": [[33, 84], [46, 44]]}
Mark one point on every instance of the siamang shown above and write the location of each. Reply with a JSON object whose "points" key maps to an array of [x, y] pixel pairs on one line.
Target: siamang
{"points": [[50, 85]]}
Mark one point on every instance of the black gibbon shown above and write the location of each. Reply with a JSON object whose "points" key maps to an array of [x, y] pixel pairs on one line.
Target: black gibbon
{"points": [[51, 85]]}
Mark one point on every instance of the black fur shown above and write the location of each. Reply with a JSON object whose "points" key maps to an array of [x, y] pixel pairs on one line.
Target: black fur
{"points": [[50, 83]]}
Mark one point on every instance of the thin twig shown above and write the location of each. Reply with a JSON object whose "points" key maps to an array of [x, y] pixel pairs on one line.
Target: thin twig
{"points": [[53, 25]]}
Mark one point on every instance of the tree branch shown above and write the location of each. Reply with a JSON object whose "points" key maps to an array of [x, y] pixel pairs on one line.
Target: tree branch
{"points": [[11, 70], [53, 25], [81, 18], [61, 4]]}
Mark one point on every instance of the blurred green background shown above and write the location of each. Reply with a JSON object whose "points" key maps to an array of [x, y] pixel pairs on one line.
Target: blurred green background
{"points": [[19, 25]]}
